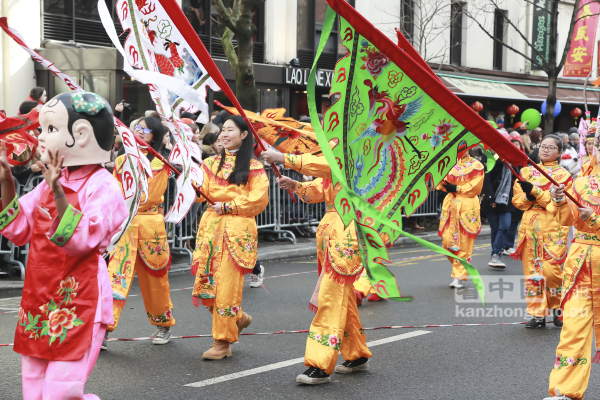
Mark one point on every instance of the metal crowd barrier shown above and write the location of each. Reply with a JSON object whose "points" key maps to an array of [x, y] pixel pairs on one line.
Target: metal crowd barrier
{"points": [[280, 218]]}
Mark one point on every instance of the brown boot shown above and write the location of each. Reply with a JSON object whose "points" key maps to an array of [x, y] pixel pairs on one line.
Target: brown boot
{"points": [[243, 322], [220, 349]]}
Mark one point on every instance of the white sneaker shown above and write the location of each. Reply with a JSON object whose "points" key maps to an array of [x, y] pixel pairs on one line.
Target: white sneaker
{"points": [[257, 280], [495, 262], [163, 335], [558, 396], [508, 252], [457, 284]]}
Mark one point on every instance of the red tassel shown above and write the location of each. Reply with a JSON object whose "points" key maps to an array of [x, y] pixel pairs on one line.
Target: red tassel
{"points": [[119, 303], [157, 273], [467, 233], [313, 308], [243, 270], [326, 183], [196, 301], [195, 268], [596, 359], [336, 276], [467, 177], [516, 256], [256, 172], [208, 302], [169, 263]]}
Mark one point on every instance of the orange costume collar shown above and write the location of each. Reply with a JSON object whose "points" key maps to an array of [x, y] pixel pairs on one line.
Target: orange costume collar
{"points": [[465, 170]]}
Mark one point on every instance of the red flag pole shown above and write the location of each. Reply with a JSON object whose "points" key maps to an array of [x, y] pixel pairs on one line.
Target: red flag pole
{"points": [[554, 182], [546, 176], [169, 165]]}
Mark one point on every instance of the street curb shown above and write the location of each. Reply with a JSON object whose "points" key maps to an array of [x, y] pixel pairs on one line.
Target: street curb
{"points": [[282, 252]]}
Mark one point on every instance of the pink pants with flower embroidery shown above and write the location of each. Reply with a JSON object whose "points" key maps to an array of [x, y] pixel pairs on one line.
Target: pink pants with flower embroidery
{"points": [[58, 380]]}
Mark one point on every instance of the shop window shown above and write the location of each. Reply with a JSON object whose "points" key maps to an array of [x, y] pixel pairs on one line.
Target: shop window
{"points": [[77, 21], [456, 28], [407, 19], [98, 84], [499, 36]]}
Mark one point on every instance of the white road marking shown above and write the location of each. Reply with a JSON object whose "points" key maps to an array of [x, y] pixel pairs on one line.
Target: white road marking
{"points": [[294, 361], [10, 303]]}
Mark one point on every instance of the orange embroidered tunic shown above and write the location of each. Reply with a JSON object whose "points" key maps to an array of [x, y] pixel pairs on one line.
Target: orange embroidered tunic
{"points": [[337, 247], [467, 175], [235, 230], [537, 223], [146, 235]]}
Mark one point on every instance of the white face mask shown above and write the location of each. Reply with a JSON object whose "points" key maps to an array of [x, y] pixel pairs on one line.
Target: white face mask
{"points": [[78, 147]]}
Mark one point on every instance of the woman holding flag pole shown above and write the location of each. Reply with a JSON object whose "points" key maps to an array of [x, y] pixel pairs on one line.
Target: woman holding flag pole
{"points": [[336, 326], [144, 249], [226, 244]]}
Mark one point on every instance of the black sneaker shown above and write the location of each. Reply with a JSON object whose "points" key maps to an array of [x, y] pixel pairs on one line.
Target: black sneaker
{"points": [[349, 367], [536, 323], [104, 345], [313, 376], [557, 322]]}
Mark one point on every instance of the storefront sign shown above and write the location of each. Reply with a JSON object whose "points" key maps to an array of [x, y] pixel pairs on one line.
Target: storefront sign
{"points": [[579, 59], [482, 88], [299, 76], [541, 32]]}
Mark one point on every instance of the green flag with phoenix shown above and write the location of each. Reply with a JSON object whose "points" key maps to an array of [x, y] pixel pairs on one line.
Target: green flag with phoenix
{"points": [[395, 132]]}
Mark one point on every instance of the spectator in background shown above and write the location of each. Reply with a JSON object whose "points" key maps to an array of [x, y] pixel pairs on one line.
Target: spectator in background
{"points": [[574, 138], [38, 94], [565, 139], [27, 106], [213, 115], [209, 128], [497, 205], [536, 138], [208, 145]]}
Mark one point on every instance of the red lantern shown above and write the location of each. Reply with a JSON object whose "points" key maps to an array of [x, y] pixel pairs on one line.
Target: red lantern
{"points": [[512, 110], [576, 113], [477, 106]]}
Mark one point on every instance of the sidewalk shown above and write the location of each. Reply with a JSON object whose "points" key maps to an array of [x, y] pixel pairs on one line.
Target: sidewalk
{"points": [[267, 251]]}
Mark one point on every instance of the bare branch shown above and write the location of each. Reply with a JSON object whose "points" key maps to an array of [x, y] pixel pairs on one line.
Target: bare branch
{"points": [[229, 49], [226, 18]]}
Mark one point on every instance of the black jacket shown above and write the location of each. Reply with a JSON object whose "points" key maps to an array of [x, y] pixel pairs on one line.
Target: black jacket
{"points": [[490, 184]]}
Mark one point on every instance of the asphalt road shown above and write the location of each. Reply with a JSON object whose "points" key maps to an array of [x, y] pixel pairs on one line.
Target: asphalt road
{"points": [[464, 362]]}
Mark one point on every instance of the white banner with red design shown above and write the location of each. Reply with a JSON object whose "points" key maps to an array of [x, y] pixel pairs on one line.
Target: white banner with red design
{"points": [[133, 174], [155, 45]]}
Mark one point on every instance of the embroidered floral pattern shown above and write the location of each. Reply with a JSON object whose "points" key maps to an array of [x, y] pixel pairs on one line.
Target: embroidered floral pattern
{"points": [[562, 361], [247, 244], [228, 207], [328, 340], [155, 245], [59, 320], [162, 318], [66, 227], [230, 311], [345, 249]]}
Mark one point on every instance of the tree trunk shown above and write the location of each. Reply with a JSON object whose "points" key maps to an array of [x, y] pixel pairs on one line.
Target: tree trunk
{"points": [[550, 102], [245, 87]]}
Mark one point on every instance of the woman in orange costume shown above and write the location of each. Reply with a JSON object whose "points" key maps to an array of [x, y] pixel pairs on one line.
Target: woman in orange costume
{"points": [[590, 163], [226, 244], [144, 248], [542, 243], [460, 222], [336, 327], [581, 299]]}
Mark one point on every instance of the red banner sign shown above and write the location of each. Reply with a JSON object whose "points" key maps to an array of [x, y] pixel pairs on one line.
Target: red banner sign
{"points": [[579, 59]]}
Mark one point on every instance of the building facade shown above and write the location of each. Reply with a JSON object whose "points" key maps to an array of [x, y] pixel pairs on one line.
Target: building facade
{"points": [[449, 35]]}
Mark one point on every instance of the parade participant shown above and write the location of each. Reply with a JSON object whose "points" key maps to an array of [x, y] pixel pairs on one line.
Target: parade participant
{"points": [[590, 163], [336, 326], [144, 249], [363, 288], [69, 220], [226, 244], [571, 373], [542, 243], [460, 222]]}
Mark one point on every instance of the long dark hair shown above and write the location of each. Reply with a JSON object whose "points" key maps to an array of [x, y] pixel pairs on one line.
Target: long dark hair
{"points": [[158, 133], [241, 171]]}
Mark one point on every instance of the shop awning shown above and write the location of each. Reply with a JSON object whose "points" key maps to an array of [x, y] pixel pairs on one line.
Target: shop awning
{"points": [[482, 86]]}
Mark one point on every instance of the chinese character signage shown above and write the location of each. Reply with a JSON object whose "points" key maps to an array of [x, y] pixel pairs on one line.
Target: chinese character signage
{"points": [[540, 32], [579, 59]]}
